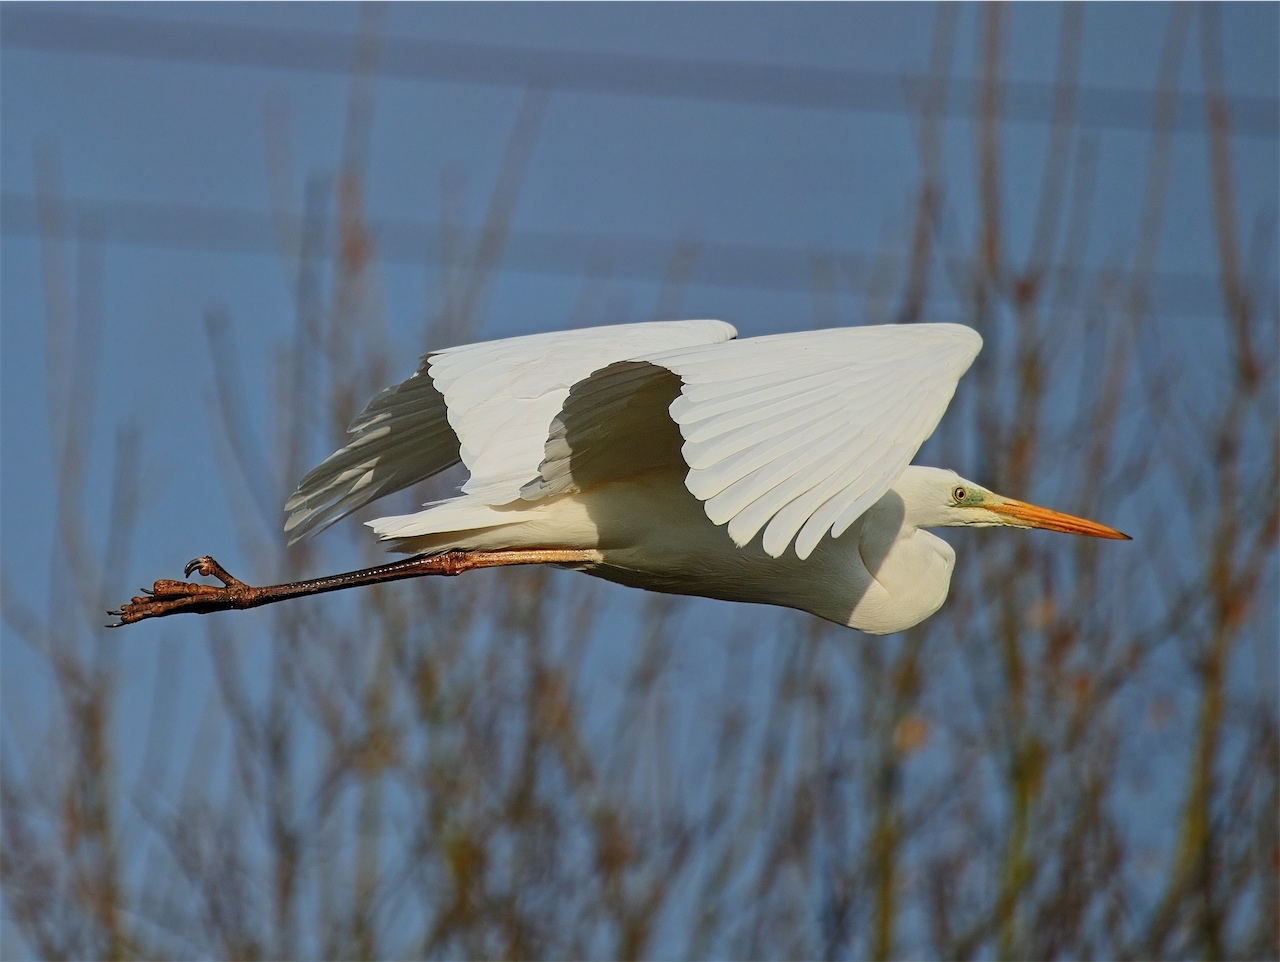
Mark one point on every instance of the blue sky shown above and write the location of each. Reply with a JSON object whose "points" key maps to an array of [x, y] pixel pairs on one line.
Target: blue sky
{"points": [[621, 169]]}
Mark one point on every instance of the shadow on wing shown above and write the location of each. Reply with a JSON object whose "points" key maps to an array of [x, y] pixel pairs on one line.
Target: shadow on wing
{"points": [[614, 425]]}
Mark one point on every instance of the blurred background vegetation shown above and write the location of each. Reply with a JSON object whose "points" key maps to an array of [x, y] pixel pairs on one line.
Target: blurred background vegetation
{"points": [[1077, 757]]}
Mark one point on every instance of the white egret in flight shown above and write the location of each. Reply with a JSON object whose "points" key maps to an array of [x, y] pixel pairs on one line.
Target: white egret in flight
{"points": [[666, 456]]}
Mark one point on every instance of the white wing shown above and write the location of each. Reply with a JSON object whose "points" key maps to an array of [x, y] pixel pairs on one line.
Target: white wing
{"points": [[797, 434], [502, 395], [489, 404]]}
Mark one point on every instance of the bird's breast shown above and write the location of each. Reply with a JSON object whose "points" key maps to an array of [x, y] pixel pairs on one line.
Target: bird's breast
{"points": [[654, 534], [878, 577]]}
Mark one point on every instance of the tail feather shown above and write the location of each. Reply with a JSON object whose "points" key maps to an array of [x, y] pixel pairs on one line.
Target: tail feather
{"points": [[455, 515]]}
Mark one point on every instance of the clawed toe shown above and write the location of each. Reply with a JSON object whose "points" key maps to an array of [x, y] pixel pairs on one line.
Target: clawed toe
{"points": [[167, 596], [209, 568]]}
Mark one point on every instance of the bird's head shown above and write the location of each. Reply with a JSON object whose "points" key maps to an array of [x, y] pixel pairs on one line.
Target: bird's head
{"points": [[936, 497]]}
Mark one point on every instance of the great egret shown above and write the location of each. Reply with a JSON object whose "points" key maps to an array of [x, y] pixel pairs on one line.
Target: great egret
{"points": [[666, 456]]}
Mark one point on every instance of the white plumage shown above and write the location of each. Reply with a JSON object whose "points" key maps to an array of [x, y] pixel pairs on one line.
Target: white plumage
{"points": [[773, 469], [801, 432], [488, 405]]}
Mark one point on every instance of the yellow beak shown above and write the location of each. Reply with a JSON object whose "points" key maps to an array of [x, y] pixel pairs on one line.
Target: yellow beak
{"points": [[1031, 516]]}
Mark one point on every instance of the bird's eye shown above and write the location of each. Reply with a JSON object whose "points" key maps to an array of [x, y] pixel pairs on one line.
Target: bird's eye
{"points": [[958, 493]]}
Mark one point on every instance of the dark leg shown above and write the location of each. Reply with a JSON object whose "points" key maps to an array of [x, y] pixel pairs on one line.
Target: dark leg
{"points": [[175, 597]]}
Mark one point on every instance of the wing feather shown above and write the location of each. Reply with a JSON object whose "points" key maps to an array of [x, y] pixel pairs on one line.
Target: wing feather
{"points": [[488, 405], [777, 399], [826, 408], [720, 449], [801, 470], [503, 395], [401, 437], [801, 498], [614, 425], [751, 473]]}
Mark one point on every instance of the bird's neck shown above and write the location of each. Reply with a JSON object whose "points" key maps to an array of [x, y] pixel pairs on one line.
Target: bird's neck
{"points": [[901, 572]]}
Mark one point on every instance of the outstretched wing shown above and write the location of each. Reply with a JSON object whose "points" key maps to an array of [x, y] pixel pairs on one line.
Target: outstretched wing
{"points": [[797, 434], [488, 405]]}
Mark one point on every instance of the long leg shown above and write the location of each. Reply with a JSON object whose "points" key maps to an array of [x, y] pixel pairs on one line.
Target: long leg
{"points": [[168, 597]]}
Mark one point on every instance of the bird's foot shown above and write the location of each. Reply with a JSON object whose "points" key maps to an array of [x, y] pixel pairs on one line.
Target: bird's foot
{"points": [[168, 597]]}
